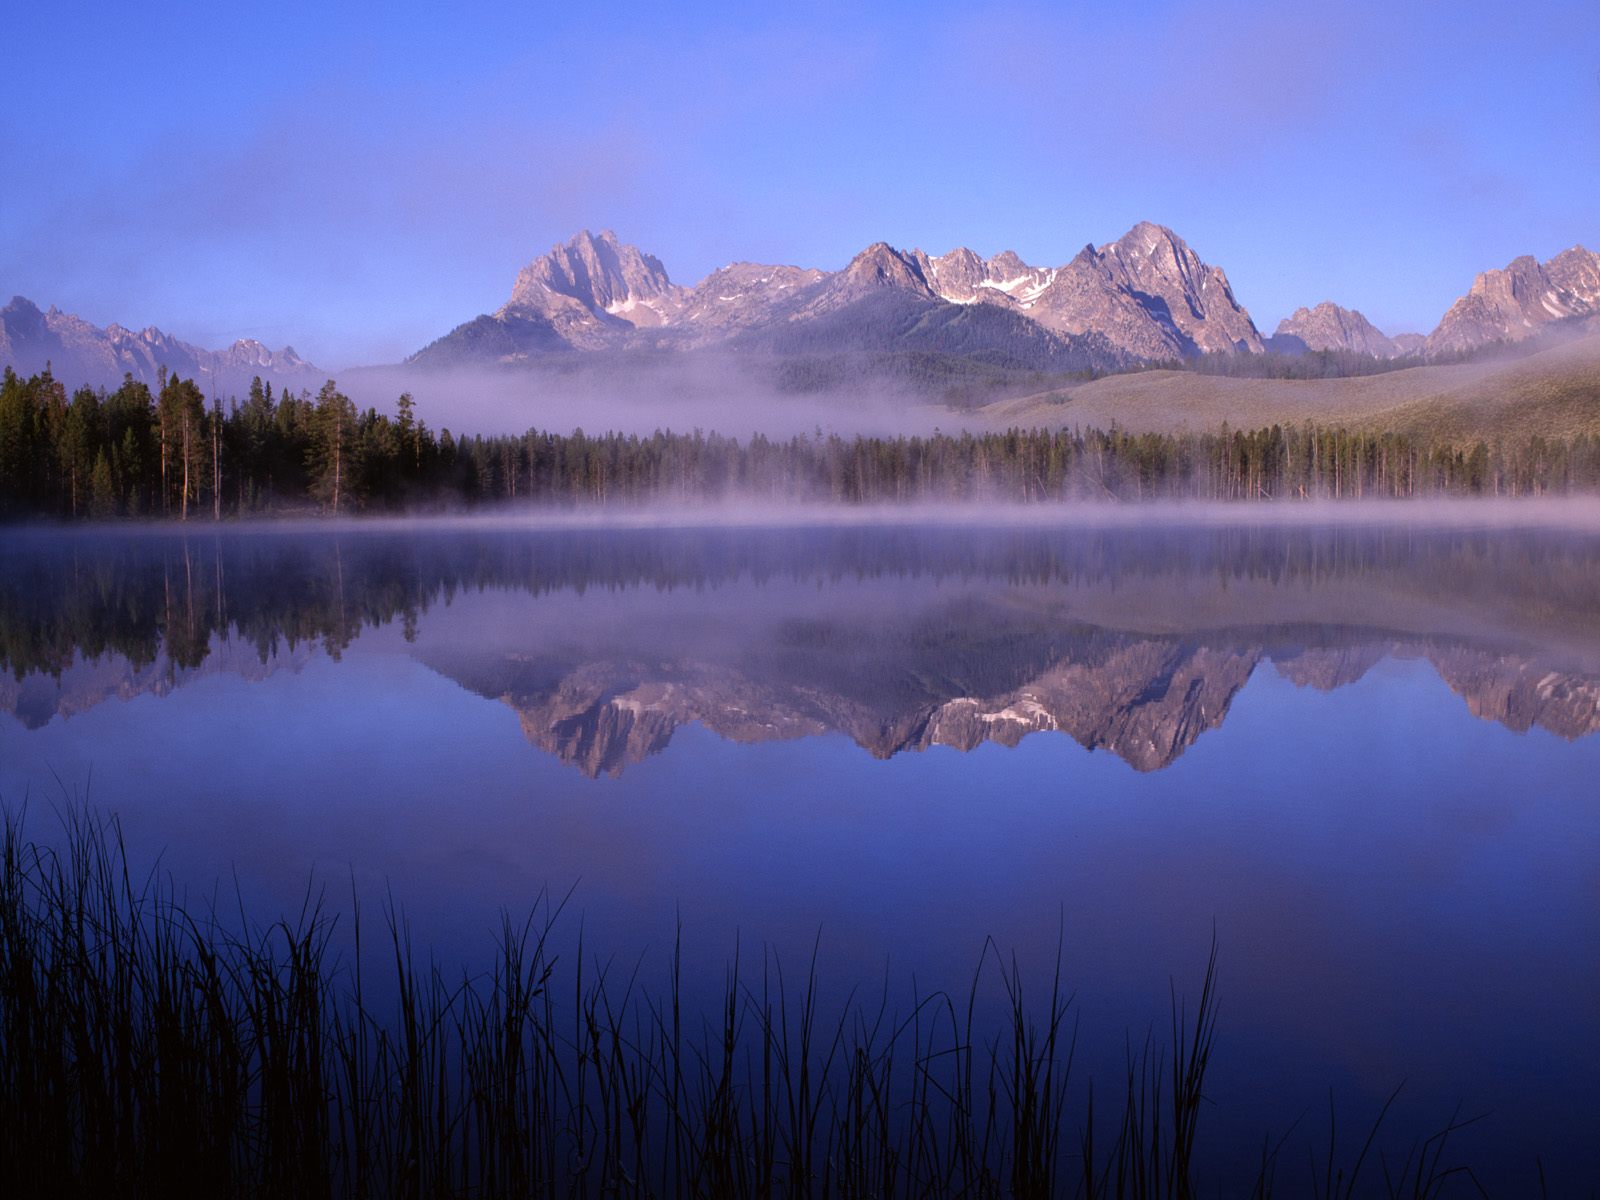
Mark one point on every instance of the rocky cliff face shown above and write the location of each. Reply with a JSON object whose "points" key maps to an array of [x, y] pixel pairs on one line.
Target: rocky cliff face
{"points": [[1154, 267], [78, 352], [1519, 300], [1331, 327], [961, 277], [1146, 296], [743, 296], [593, 285]]}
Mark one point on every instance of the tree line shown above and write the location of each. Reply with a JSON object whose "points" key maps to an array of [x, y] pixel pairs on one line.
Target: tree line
{"points": [[173, 452]]}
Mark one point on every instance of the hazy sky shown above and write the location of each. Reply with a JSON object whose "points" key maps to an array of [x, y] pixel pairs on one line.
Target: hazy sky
{"points": [[357, 179]]}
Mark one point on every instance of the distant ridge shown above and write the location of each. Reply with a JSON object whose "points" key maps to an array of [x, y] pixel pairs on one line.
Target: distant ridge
{"points": [[79, 353], [1331, 327], [1145, 299]]}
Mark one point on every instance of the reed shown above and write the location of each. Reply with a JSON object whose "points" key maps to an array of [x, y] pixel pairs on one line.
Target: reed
{"points": [[152, 1047]]}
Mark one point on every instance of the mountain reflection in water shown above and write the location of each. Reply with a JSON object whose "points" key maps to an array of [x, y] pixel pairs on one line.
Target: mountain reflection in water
{"points": [[1400, 889], [607, 642]]}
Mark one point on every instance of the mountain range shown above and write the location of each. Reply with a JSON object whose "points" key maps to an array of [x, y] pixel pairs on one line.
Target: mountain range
{"points": [[1145, 298], [80, 353], [1144, 698]]}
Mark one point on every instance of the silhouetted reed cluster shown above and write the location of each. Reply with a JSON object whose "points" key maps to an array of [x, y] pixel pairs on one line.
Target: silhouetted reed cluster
{"points": [[148, 1050]]}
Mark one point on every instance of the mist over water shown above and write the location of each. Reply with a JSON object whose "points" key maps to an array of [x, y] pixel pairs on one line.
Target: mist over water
{"points": [[1358, 748], [726, 393]]}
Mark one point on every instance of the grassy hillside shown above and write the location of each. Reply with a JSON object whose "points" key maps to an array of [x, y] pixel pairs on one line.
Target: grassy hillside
{"points": [[1555, 393]]}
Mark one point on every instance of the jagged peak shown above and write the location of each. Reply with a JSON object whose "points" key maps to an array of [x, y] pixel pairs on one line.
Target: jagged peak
{"points": [[959, 254], [1331, 326], [882, 265], [1146, 236], [1323, 308], [876, 249], [1010, 260], [596, 277], [587, 241], [1571, 253], [587, 237], [83, 352]]}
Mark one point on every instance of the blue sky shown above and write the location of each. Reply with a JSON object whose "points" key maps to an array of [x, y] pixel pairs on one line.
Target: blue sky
{"points": [[357, 182]]}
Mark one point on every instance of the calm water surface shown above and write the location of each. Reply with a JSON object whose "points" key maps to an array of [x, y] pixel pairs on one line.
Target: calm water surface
{"points": [[1365, 758]]}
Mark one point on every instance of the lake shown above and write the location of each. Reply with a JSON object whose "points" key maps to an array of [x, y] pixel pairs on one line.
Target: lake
{"points": [[1362, 757]]}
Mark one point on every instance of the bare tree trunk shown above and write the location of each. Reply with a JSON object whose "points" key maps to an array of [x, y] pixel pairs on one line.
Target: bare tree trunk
{"points": [[216, 467]]}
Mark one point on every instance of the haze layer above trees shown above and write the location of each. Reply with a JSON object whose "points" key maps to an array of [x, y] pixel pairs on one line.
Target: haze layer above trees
{"points": [[135, 453]]}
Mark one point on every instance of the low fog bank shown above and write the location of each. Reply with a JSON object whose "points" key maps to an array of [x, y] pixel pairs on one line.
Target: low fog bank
{"points": [[1577, 514], [639, 394], [1574, 514]]}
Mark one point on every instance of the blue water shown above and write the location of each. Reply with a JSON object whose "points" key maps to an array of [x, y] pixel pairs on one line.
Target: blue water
{"points": [[1401, 865]]}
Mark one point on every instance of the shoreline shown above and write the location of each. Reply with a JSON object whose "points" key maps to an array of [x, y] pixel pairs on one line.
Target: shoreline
{"points": [[1568, 513]]}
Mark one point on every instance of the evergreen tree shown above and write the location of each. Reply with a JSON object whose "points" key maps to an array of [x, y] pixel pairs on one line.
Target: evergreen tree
{"points": [[332, 458]]}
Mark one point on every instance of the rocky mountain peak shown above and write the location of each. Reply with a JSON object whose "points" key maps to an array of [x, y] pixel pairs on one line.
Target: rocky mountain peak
{"points": [[1145, 297], [742, 296], [600, 277], [1516, 301], [1328, 326], [1009, 263], [963, 278], [880, 265], [1150, 295], [1147, 239], [1155, 254], [955, 276]]}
